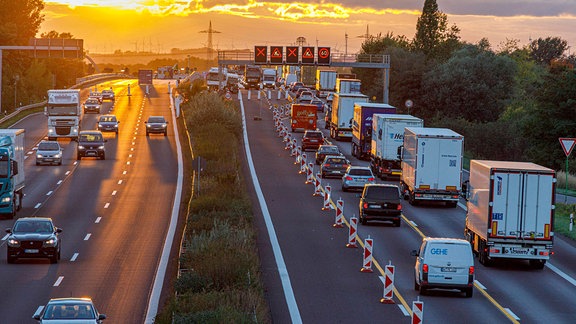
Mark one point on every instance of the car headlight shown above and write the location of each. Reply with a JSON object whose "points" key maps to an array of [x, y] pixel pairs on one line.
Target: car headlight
{"points": [[101, 147], [80, 147], [148, 125], [39, 156], [58, 155], [164, 126], [51, 242], [13, 242], [6, 199], [99, 125]]}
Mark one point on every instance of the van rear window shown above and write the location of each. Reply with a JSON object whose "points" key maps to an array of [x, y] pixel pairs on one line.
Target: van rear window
{"points": [[446, 250]]}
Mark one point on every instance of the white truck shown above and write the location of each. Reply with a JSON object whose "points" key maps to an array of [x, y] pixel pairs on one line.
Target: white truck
{"points": [[387, 137], [216, 78], [11, 171], [432, 165], [342, 114], [269, 78], [325, 82], [510, 211], [64, 113], [348, 85]]}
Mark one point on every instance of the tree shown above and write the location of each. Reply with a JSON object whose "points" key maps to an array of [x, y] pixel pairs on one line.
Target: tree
{"points": [[544, 51], [20, 20], [433, 37]]}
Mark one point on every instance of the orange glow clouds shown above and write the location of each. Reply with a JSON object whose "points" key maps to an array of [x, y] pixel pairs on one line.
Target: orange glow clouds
{"points": [[159, 25]]}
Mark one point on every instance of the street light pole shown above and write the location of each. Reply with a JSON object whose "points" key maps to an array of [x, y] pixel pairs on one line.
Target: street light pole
{"points": [[16, 79]]}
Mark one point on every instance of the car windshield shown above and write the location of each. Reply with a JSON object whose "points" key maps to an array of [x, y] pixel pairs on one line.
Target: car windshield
{"points": [[44, 227], [69, 311], [360, 172], [314, 134], [329, 149], [92, 101], [48, 146], [156, 119], [91, 138], [375, 192], [108, 118]]}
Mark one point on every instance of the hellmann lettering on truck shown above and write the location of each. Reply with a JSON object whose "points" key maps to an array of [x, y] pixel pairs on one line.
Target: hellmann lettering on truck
{"points": [[398, 136]]}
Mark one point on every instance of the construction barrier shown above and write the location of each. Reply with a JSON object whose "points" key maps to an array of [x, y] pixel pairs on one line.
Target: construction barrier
{"points": [[326, 198], [293, 152], [303, 163], [339, 214], [249, 94], [388, 284], [367, 260], [352, 230], [298, 157], [317, 185], [309, 173], [417, 311]]}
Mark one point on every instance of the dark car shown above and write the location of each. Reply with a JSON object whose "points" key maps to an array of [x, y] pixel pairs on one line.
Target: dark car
{"points": [[318, 103], [312, 140], [156, 125], [380, 202], [324, 150], [92, 105], [108, 95], [33, 237], [69, 310], [91, 144], [334, 166], [108, 123]]}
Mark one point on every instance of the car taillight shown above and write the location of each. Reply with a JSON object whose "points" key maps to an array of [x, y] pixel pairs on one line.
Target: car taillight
{"points": [[471, 270], [425, 268], [345, 166], [371, 179], [365, 205], [349, 178], [399, 207]]}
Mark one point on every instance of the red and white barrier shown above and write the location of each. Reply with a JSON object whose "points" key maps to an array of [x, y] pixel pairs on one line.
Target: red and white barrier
{"points": [[298, 157], [417, 312], [326, 198], [309, 174], [352, 230], [293, 153], [367, 260], [303, 163], [317, 185], [388, 284], [339, 214]]}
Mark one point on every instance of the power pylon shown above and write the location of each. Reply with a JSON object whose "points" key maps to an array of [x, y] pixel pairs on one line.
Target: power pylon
{"points": [[209, 31], [366, 36]]}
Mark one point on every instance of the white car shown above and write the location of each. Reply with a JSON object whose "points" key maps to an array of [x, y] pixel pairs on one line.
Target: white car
{"points": [[444, 263], [69, 310], [49, 152]]}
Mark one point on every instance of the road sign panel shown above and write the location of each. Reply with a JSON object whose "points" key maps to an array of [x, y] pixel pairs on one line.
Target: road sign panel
{"points": [[276, 54], [567, 144], [307, 55], [292, 55], [323, 55], [260, 54]]}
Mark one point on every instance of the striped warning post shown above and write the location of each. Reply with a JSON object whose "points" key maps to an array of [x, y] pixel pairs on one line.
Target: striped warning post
{"points": [[388, 284], [339, 214], [352, 230], [317, 185], [326, 198], [417, 311], [367, 260], [303, 163], [298, 157], [309, 174]]}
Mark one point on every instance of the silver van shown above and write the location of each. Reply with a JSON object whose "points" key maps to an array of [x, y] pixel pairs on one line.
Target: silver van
{"points": [[444, 263]]}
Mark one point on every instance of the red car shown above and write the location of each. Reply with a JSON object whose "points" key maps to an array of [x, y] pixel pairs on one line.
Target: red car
{"points": [[312, 139]]}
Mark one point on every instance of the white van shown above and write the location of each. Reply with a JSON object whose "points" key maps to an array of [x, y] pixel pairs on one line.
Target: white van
{"points": [[444, 263]]}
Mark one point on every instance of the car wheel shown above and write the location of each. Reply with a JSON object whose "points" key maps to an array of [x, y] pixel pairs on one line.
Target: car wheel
{"points": [[10, 259], [60, 163], [103, 156], [469, 292], [397, 223], [423, 290], [147, 134], [54, 258], [37, 163], [537, 264], [78, 156], [416, 285], [363, 220], [344, 189], [165, 133]]}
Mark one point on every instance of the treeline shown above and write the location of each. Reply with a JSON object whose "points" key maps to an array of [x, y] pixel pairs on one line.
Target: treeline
{"points": [[512, 103]]}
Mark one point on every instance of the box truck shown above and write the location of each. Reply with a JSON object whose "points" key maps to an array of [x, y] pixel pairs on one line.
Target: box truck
{"points": [[342, 114], [510, 211], [362, 126], [64, 113], [11, 171], [387, 137], [348, 85], [269, 78], [432, 165], [325, 82], [303, 117]]}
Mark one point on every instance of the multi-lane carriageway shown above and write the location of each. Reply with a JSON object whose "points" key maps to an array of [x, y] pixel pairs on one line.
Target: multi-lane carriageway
{"points": [[312, 277]]}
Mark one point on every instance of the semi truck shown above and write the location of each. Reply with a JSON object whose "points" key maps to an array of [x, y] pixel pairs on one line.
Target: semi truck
{"points": [[510, 211], [325, 82], [362, 126], [432, 165], [269, 78], [387, 137], [217, 78], [303, 117], [342, 114], [252, 76], [348, 85], [11, 171], [64, 113]]}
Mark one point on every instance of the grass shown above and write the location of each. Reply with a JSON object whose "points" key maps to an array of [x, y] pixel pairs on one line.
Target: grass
{"points": [[562, 220]]}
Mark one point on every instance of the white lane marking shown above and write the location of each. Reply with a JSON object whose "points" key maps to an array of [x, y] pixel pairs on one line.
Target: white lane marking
{"points": [[87, 237], [133, 143], [30, 152], [25, 157], [98, 219], [39, 310], [413, 223], [5, 237], [67, 173], [107, 205], [74, 257], [129, 155], [124, 172], [114, 193], [403, 310], [561, 273], [59, 182], [58, 281], [132, 149], [49, 193], [128, 163], [509, 311], [119, 181], [134, 138], [481, 286], [75, 162], [38, 205], [135, 133]]}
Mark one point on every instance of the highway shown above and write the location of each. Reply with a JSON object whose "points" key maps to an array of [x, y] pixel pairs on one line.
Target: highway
{"points": [[115, 213], [319, 279]]}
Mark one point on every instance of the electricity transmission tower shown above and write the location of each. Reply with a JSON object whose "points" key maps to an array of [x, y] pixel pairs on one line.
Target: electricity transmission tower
{"points": [[210, 49]]}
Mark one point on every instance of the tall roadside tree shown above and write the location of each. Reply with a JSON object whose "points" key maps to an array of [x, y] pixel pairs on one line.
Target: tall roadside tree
{"points": [[544, 50], [433, 37]]}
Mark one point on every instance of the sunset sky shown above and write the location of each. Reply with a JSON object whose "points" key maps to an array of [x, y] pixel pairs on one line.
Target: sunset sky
{"points": [[160, 25]]}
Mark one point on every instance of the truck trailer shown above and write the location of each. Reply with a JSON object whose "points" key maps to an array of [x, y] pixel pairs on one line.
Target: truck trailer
{"points": [[387, 137], [269, 78], [510, 211], [362, 126], [64, 113], [342, 114], [348, 85], [11, 171], [325, 82], [303, 117], [432, 165]]}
